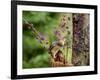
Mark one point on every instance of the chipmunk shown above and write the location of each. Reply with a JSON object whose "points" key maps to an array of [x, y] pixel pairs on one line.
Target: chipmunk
{"points": [[55, 50]]}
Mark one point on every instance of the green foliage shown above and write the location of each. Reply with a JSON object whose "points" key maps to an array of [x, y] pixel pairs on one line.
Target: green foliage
{"points": [[34, 55]]}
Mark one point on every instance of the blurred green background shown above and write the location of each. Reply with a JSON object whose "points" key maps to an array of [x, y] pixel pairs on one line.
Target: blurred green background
{"points": [[35, 55]]}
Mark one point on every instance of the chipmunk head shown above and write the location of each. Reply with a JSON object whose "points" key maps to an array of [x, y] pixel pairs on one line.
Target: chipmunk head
{"points": [[61, 41]]}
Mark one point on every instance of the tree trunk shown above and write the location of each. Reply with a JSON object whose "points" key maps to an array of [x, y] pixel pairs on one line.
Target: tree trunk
{"points": [[80, 54]]}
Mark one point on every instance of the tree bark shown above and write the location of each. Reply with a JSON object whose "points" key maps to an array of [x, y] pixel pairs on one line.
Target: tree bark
{"points": [[80, 55]]}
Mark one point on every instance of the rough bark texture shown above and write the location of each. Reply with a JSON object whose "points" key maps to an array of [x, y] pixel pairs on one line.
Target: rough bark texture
{"points": [[80, 39]]}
